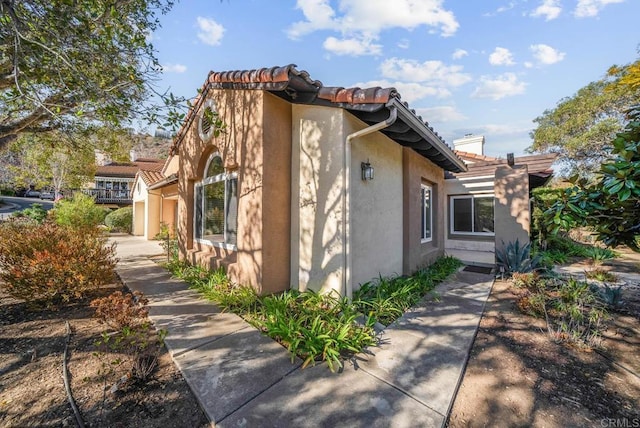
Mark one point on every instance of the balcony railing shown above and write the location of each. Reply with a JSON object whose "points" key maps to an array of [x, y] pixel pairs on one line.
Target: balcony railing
{"points": [[107, 196]]}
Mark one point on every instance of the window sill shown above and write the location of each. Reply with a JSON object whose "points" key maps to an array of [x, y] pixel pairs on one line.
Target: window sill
{"points": [[223, 245]]}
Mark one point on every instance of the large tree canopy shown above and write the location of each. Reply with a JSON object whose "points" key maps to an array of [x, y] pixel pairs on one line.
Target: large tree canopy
{"points": [[581, 127], [66, 62], [609, 203]]}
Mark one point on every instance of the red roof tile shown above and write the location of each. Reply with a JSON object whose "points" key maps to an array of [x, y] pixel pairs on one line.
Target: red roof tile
{"points": [[150, 177], [128, 169], [473, 157], [296, 86]]}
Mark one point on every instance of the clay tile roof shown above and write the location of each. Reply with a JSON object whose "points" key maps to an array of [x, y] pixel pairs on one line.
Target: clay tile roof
{"points": [[128, 169], [150, 177], [473, 157], [538, 166], [296, 86]]}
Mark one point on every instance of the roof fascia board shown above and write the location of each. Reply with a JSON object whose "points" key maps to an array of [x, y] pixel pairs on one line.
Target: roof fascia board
{"points": [[422, 129]]}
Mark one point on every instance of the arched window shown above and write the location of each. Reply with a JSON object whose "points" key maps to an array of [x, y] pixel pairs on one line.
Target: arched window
{"points": [[216, 205]]}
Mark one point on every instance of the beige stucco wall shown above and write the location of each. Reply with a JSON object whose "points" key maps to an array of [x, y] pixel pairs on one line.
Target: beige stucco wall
{"points": [[317, 252], [512, 217], [376, 230], [258, 129], [418, 170], [139, 202], [171, 166]]}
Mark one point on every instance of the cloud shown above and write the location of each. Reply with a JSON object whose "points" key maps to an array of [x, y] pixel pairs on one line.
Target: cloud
{"points": [[441, 114], [352, 46], [210, 31], [498, 87], [546, 55], [435, 72], [409, 91], [362, 19], [404, 44], [174, 68], [501, 9], [550, 9], [501, 56], [590, 8], [459, 53]]}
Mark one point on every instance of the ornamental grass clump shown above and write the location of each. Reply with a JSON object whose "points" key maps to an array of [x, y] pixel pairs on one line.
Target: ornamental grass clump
{"points": [[49, 263]]}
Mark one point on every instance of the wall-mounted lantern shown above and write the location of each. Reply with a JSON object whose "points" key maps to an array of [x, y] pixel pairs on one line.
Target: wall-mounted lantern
{"points": [[367, 170]]}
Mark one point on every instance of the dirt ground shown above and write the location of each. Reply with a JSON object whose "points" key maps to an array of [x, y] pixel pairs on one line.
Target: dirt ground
{"points": [[518, 376], [32, 391]]}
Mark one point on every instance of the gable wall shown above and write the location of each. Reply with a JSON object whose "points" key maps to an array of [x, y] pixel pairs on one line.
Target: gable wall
{"points": [[243, 145]]}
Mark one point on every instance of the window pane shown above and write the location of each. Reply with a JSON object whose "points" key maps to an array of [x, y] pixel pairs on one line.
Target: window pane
{"points": [[214, 211], [215, 167], [198, 207], [462, 215], [232, 210], [426, 213], [483, 215]]}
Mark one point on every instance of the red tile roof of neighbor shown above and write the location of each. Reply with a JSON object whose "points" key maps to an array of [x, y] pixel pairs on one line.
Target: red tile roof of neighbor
{"points": [[129, 169], [371, 105], [473, 157], [150, 177], [538, 166]]}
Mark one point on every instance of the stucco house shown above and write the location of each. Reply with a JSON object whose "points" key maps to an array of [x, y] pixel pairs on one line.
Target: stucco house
{"points": [[113, 181], [308, 186], [489, 205], [154, 195]]}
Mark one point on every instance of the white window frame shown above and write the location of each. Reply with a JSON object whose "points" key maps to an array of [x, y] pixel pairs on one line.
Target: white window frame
{"points": [[223, 177], [472, 197], [423, 212]]}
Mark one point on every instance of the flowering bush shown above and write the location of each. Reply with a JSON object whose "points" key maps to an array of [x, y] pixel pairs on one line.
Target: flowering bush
{"points": [[51, 263]]}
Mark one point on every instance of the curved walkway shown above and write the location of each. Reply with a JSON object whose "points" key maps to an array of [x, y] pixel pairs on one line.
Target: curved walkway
{"points": [[243, 378]]}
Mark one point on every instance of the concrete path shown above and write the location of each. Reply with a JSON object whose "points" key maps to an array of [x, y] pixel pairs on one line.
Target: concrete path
{"points": [[244, 379]]}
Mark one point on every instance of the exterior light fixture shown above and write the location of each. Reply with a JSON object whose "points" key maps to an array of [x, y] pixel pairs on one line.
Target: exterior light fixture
{"points": [[367, 170]]}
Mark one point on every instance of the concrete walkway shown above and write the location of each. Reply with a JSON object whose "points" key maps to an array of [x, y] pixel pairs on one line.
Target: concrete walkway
{"points": [[244, 379]]}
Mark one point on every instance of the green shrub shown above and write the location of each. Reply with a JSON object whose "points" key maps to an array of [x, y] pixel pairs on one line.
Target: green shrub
{"points": [[52, 263], [79, 212], [34, 212], [120, 220]]}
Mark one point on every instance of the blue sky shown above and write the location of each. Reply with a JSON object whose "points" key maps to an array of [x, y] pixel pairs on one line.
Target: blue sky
{"points": [[466, 66]]}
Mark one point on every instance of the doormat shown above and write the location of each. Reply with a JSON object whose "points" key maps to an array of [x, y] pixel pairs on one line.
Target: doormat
{"points": [[478, 269]]}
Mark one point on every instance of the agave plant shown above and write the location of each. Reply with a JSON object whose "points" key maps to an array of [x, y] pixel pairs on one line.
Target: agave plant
{"points": [[514, 257]]}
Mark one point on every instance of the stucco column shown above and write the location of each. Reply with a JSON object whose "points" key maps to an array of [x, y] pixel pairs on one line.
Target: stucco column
{"points": [[511, 215]]}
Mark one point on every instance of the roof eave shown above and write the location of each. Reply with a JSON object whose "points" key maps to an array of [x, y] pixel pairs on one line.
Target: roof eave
{"points": [[423, 130], [173, 178]]}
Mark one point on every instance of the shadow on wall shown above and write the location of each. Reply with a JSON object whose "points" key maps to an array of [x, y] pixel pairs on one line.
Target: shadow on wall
{"points": [[511, 213], [320, 206]]}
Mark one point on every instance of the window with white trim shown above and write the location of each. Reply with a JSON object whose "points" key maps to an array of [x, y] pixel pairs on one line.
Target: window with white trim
{"points": [[426, 202], [216, 205], [472, 215]]}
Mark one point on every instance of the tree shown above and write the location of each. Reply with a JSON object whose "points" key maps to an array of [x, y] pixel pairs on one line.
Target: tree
{"points": [[51, 159], [581, 127], [609, 203], [66, 63]]}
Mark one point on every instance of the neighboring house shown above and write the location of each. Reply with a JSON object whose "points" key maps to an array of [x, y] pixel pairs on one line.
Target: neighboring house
{"points": [[113, 181], [308, 186], [489, 205], [155, 199]]}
